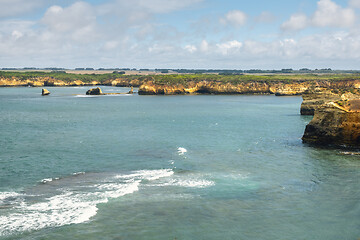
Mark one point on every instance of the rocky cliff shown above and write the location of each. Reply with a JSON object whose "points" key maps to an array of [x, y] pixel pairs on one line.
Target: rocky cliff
{"points": [[203, 87], [123, 83], [211, 87], [290, 89], [279, 88], [47, 81], [40, 82], [314, 98], [335, 123]]}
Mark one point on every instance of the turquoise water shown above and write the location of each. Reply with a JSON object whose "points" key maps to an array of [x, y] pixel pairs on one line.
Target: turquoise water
{"points": [[168, 167]]}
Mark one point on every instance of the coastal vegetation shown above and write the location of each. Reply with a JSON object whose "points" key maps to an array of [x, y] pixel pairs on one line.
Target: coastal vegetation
{"points": [[61, 75], [176, 79]]}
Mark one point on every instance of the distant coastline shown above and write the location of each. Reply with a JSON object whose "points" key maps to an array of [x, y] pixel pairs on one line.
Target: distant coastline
{"points": [[170, 84]]}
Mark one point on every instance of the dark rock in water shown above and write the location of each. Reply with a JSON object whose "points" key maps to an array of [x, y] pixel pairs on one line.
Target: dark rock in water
{"points": [[45, 92], [94, 91], [335, 124]]}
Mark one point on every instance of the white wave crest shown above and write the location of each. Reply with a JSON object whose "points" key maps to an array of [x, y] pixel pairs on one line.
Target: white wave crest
{"points": [[195, 183], [149, 175], [46, 180], [74, 205], [84, 96], [189, 183], [5, 195], [181, 150]]}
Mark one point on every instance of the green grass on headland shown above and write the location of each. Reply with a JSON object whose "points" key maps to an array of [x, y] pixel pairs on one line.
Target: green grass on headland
{"points": [[175, 79]]}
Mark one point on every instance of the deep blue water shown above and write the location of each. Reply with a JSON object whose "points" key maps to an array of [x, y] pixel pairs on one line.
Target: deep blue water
{"points": [[168, 167]]}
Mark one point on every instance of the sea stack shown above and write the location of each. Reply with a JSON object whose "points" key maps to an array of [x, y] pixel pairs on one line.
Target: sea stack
{"points": [[131, 91], [45, 92], [335, 123], [94, 91]]}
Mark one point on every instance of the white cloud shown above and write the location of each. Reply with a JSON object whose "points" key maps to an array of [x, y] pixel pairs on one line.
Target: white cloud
{"points": [[164, 6], [9, 8], [77, 20], [204, 46], [354, 3], [265, 17], [190, 48], [235, 18], [131, 34], [17, 34], [329, 14], [160, 49], [253, 48], [8, 26], [295, 23], [229, 47], [137, 11], [77, 16]]}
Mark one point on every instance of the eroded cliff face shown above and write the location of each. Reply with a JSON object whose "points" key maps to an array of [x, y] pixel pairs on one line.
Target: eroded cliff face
{"points": [[251, 87], [315, 98], [335, 124], [205, 87], [123, 83], [290, 89], [40, 82], [47, 81]]}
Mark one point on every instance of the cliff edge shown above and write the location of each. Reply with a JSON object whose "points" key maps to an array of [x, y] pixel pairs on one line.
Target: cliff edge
{"points": [[335, 123], [214, 87]]}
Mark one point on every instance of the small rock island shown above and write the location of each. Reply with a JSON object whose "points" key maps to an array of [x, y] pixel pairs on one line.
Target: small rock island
{"points": [[94, 91], [45, 92]]}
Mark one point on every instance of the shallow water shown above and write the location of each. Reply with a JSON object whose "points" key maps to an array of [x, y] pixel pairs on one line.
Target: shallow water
{"points": [[163, 167]]}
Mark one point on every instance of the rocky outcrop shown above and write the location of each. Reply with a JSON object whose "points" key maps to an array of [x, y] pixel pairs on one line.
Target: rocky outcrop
{"points": [[42, 81], [131, 91], [213, 87], [77, 83], [45, 92], [94, 91], [335, 123], [315, 98], [290, 89], [204, 87], [13, 82], [123, 83]]}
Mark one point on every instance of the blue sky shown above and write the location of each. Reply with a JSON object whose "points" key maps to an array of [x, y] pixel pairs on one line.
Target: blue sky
{"points": [[225, 34]]}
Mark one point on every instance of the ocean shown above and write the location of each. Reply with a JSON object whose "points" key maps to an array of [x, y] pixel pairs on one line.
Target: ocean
{"points": [[168, 167]]}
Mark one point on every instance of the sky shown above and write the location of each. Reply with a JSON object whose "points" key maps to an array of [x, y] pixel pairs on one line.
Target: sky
{"points": [[192, 34]]}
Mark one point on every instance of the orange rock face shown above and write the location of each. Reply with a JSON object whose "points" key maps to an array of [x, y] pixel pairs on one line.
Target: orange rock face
{"points": [[205, 87], [40, 82], [334, 125]]}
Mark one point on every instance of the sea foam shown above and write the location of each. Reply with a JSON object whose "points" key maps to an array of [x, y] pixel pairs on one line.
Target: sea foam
{"points": [[7, 195], [188, 183], [181, 150], [75, 204]]}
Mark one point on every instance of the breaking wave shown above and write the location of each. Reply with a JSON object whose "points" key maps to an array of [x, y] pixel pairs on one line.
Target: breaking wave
{"points": [[75, 203], [181, 150]]}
